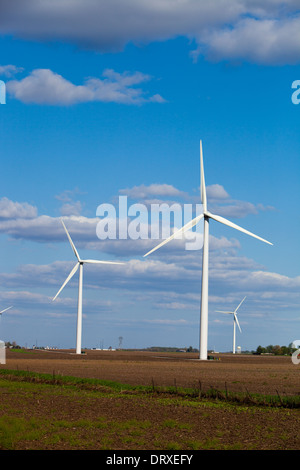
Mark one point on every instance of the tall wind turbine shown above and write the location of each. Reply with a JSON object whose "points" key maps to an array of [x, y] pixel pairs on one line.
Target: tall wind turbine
{"points": [[79, 264], [235, 322], [204, 289]]}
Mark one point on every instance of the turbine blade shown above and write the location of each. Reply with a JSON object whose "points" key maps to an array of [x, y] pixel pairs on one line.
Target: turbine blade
{"points": [[71, 242], [67, 280], [237, 227], [221, 311], [94, 261], [237, 322], [183, 229], [2, 311], [202, 180], [240, 304]]}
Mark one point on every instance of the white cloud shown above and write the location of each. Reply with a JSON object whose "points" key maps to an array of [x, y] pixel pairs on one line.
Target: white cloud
{"points": [[9, 70], [28, 303], [110, 25], [172, 286], [44, 228], [13, 210], [153, 190], [21, 221], [264, 32], [71, 208], [264, 41], [222, 204], [68, 195], [43, 86], [216, 191]]}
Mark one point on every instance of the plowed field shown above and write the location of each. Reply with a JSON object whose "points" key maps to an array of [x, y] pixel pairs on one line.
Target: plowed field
{"points": [[258, 374], [51, 417]]}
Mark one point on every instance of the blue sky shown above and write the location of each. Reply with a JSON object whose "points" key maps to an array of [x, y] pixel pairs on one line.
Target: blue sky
{"points": [[100, 105]]}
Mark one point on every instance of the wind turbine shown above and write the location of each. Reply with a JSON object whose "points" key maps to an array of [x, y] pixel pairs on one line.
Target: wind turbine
{"points": [[79, 264], [235, 322], [2, 311], [206, 215]]}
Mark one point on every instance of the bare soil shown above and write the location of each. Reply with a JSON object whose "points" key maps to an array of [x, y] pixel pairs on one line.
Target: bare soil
{"points": [[152, 422], [268, 375]]}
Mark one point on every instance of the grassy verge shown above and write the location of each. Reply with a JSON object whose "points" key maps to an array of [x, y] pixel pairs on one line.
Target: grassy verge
{"points": [[21, 350], [275, 401]]}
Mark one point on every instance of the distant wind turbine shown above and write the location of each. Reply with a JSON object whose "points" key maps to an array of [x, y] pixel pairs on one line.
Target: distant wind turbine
{"points": [[235, 322], [79, 265], [204, 289]]}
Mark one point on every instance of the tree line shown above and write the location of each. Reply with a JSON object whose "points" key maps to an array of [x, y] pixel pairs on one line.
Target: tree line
{"points": [[276, 350]]}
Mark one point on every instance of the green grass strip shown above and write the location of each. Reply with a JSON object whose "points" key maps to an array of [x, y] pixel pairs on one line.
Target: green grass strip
{"points": [[191, 393]]}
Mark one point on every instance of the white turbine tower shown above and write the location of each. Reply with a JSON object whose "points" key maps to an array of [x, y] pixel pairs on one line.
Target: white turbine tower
{"points": [[79, 264], [204, 289], [235, 322]]}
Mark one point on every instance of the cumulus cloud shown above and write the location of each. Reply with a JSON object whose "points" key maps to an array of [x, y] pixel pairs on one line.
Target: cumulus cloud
{"points": [[13, 210], [153, 190], [43, 86], [26, 301], [100, 25], [9, 70], [218, 199], [174, 286], [222, 204], [171, 276], [238, 209], [45, 228], [264, 32], [21, 221], [265, 41], [216, 192], [71, 208]]}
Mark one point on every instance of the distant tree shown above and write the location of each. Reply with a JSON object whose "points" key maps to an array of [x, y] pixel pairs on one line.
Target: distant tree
{"points": [[277, 350], [14, 345], [286, 350], [260, 350]]}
